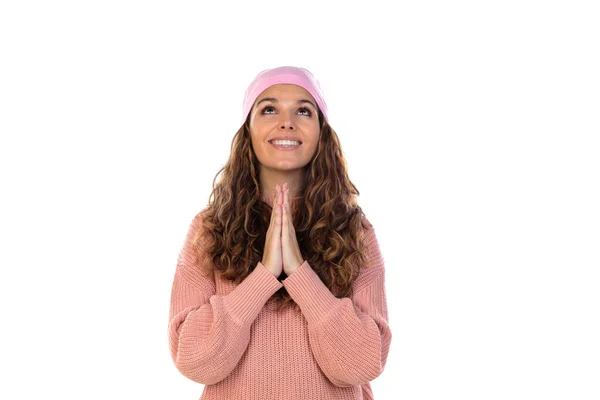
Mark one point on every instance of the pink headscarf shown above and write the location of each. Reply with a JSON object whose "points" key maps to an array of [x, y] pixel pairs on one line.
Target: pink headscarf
{"points": [[269, 77]]}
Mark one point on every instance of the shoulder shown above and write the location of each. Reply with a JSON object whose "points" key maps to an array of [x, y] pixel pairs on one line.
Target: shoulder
{"points": [[198, 217], [368, 230], [371, 244], [196, 225], [373, 266], [365, 221], [194, 255]]}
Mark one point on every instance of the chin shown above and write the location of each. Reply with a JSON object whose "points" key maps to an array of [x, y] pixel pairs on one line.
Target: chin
{"points": [[290, 168]]}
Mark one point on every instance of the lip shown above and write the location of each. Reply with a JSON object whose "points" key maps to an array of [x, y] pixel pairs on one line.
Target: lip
{"points": [[285, 138], [285, 148]]}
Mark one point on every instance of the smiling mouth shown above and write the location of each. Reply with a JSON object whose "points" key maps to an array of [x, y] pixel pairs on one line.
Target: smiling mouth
{"points": [[271, 141], [285, 147]]}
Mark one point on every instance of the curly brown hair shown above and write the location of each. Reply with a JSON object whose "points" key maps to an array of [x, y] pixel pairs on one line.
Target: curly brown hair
{"points": [[329, 223]]}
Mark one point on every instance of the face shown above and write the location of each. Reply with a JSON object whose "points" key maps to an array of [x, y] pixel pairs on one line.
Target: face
{"points": [[284, 111]]}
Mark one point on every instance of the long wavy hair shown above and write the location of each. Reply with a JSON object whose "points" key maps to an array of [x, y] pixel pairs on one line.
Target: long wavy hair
{"points": [[328, 221]]}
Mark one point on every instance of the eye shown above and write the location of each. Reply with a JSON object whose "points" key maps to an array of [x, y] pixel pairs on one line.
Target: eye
{"points": [[267, 108], [303, 111], [308, 113]]}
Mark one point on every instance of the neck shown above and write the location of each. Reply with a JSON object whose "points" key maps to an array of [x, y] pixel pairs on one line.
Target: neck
{"points": [[294, 202], [269, 178]]}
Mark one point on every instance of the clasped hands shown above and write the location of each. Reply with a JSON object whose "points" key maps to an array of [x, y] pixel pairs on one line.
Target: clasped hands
{"points": [[282, 251]]}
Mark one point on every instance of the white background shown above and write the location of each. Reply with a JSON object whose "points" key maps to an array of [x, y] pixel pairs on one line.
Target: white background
{"points": [[470, 129]]}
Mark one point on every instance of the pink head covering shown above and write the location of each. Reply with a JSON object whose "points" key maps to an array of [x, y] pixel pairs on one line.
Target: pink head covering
{"points": [[269, 77]]}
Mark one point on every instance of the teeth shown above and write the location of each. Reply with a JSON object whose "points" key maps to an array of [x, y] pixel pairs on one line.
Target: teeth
{"points": [[285, 142]]}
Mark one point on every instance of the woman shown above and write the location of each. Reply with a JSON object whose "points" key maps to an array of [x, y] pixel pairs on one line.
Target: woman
{"points": [[279, 288]]}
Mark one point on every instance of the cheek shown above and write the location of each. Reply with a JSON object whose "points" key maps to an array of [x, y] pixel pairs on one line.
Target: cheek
{"points": [[312, 146], [259, 129], [315, 135], [255, 141]]}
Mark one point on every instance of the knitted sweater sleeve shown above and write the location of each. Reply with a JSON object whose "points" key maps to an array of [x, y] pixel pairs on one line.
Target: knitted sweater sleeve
{"points": [[208, 333], [349, 337]]}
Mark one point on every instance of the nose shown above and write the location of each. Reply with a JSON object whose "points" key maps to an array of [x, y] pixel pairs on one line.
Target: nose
{"points": [[287, 125]]}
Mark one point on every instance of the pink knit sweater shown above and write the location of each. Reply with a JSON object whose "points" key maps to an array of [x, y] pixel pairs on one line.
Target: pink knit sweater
{"points": [[230, 338]]}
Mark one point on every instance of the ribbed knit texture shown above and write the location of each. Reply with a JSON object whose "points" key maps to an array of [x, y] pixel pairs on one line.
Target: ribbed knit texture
{"points": [[231, 339]]}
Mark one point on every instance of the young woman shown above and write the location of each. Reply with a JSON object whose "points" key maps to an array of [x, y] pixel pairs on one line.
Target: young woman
{"points": [[279, 289]]}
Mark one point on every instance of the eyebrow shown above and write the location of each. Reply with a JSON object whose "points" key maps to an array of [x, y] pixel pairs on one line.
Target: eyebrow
{"points": [[274, 100]]}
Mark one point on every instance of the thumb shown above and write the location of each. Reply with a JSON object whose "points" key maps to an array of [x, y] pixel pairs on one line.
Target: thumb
{"points": [[278, 213]]}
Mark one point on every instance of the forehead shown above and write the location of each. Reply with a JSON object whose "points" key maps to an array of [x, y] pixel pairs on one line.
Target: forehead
{"points": [[284, 91]]}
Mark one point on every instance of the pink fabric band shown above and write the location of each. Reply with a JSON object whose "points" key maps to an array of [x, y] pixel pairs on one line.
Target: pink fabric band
{"points": [[288, 74]]}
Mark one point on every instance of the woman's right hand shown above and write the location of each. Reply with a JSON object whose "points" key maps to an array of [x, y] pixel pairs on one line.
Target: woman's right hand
{"points": [[272, 254]]}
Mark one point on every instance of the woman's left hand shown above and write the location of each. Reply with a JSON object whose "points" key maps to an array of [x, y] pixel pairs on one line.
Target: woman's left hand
{"points": [[292, 258]]}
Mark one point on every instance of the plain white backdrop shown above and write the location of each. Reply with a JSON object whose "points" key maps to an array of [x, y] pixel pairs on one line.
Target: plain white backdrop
{"points": [[470, 129]]}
